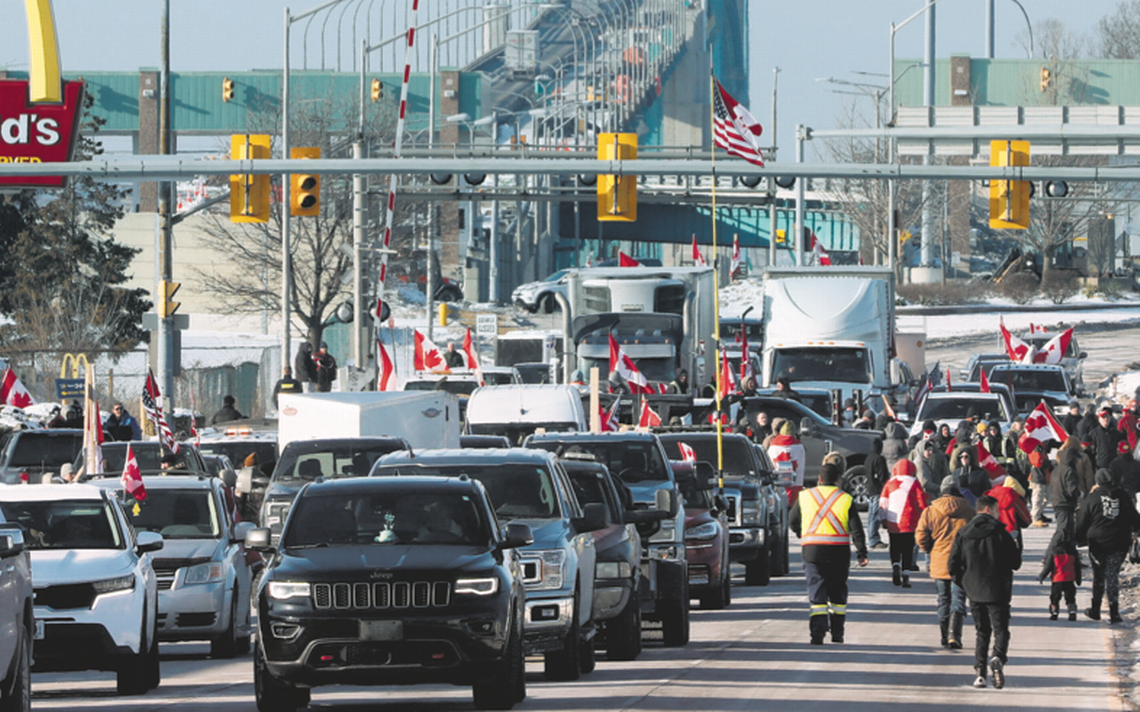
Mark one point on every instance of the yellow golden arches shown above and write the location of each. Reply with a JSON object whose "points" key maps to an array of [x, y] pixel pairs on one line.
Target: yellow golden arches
{"points": [[44, 74], [75, 361]]}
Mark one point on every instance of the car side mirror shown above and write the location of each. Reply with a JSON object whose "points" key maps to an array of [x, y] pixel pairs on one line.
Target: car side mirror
{"points": [[595, 516], [11, 543], [149, 541], [666, 501], [228, 477], [809, 427], [258, 540], [241, 529], [244, 481], [516, 535]]}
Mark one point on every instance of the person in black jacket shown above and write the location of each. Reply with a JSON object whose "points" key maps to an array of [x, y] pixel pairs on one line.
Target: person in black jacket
{"points": [[1106, 521], [304, 367], [1072, 419], [227, 412], [1125, 470], [982, 561], [1064, 488], [1103, 438], [1085, 424], [877, 475], [971, 477], [326, 369]]}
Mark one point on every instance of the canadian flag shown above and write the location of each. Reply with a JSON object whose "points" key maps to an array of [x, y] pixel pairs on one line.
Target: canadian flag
{"points": [[472, 357], [889, 409], [728, 383], [990, 464], [428, 357], [819, 255], [610, 421], [734, 266], [745, 355], [649, 417], [688, 454], [1017, 350], [985, 382], [12, 392], [948, 387], [132, 478], [1055, 348], [698, 258], [785, 448], [384, 379], [625, 260], [624, 367], [1040, 426]]}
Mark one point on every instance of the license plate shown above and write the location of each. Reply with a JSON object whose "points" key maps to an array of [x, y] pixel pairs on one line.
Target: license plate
{"points": [[39, 631], [381, 630]]}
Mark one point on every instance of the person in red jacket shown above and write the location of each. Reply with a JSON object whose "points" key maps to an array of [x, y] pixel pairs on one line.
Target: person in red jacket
{"points": [[900, 506], [1129, 424], [1014, 512], [1064, 563]]}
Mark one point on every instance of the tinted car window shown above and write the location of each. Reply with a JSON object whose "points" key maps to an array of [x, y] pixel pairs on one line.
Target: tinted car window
{"points": [[516, 491], [459, 388], [239, 450], [836, 364], [1031, 380], [737, 454], [348, 460], [34, 450], [66, 524], [959, 408], [175, 514], [385, 519], [631, 461]]}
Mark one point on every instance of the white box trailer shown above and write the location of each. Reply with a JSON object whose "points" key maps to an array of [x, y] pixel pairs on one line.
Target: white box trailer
{"points": [[426, 419]]}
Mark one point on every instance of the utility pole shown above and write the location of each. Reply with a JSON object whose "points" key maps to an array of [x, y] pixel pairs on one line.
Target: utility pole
{"points": [[773, 213], [166, 227]]}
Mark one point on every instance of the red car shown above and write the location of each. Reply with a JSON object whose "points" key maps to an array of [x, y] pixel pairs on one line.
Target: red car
{"points": [[706, 535]]}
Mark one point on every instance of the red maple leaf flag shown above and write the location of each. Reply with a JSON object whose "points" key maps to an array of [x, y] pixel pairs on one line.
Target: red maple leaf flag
{"points": [[152, 404], [428, 357], [1041, 426], [132, 477], [625, 260], [688, 454], [12, 391], [1055, 348], [819, 255], [610, 421], [698, 258], [1015, 348], [990, 464], [384, 380], [623, 365], [734, 128], [745, 355], [734, 266], [728, 383], [649, 417], [472, 357], [948, 387], [985, 381]]}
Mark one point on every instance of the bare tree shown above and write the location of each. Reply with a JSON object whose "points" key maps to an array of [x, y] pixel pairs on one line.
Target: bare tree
{"points": [[1052, 39], [1118, 33]]}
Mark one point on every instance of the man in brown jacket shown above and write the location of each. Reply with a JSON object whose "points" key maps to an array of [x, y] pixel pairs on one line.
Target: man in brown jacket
{"points": [[937, 527]]}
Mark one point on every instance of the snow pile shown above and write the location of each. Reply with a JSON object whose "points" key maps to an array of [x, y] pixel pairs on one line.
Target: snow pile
{"points": [[738, 296], [1122, 387]]}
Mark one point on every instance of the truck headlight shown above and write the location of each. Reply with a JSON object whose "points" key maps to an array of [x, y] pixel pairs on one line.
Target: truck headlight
{"points": [[667, 532], [613, 570], [477, 586], [750, 513], [121, 583], [210, 572], [285, 590], [708, 530], [544, 570]]}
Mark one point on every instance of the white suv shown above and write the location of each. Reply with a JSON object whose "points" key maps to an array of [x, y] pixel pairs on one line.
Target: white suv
{"points": [[96, 598]]}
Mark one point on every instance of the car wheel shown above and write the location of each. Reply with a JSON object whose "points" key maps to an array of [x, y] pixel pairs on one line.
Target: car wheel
{"points": [[786, 554], [718, 597], [623, 633], [21, 698], [587, 656], [226, 646], [675, 620], [855, 484], [508, 685], [274, 695], [564, 665], [141, 672], [758, 572]]}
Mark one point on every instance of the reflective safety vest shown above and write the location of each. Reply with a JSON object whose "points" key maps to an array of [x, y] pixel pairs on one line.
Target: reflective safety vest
{"points": [[824, 512]]}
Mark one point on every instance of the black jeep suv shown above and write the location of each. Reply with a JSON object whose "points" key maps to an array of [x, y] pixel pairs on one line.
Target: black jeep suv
{"points": [[391, 581]]}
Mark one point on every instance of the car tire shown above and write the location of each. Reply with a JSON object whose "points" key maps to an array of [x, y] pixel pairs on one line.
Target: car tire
{"points": [[226, 646], [855, 484], [758, 572], [787, 553], [142, 672], [508, 685], [21, 698], [564, 665], [274, 695], [623, 633], [718, 598], [675, 621], [587, 656]]}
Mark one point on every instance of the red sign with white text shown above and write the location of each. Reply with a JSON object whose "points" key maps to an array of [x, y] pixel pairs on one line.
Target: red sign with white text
{"points": [[37, 133]]}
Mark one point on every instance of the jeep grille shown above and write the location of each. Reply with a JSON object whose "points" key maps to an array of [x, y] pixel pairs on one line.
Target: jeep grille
{"points": [[401, 594]]}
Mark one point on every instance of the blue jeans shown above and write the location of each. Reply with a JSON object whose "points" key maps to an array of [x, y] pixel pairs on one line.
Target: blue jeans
{"points": [[873, 536], [951, 598]]}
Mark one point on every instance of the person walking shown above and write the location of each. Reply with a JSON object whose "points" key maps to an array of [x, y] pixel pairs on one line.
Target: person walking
{"points": [[1064, 489], [1129, 424], [937, 527], [1063, 564], [972, 478], [931, 466], [227, 412], [894, 444], [1106, 521], [1014, 513], [877, 474], [305, 367], [1125, 470], [902, 501], [1040, 472], [982, 561], [1072, 418], [786, 447], [326, 369], [1104, 437], [827, 524], [286, 384]]}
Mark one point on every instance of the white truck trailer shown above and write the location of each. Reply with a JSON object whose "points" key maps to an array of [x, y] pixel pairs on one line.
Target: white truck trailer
{"points": [[426, 419]]}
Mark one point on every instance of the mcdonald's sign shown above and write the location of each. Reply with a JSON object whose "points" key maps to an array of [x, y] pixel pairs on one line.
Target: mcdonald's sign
{"points": [[39, 118]]}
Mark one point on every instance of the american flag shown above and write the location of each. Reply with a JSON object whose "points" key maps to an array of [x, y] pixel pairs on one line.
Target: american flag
{"points": [[153, 407], [734, 129]]}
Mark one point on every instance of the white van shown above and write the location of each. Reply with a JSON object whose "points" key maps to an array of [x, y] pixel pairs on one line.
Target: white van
{"points": [[519, 410]]}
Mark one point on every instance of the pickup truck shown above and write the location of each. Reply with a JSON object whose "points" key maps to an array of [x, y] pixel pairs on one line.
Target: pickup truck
{"points": [[17, 621]]}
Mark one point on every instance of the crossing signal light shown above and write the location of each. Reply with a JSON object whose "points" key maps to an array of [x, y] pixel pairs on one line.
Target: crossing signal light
{"points": [[617, 194], [377, 90], [1009, 199], [305, 188], [249, 193], [165, 306], [1046, 78], [227, 89]]}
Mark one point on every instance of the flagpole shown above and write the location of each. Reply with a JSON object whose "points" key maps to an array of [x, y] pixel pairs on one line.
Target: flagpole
{"points": [[716, 288]]}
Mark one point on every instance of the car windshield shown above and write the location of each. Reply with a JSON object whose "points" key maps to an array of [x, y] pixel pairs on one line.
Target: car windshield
{"points": [[536, 373], [239, 450], [459, 388], [517, 491], [737, 456], [955, 409], [498, 378], [385, 519], [149, 457], [44, 450], [175, 514], [1031, 379], [329, 462], [556, 276], [632, 461], [66, 524], [845, 365]]}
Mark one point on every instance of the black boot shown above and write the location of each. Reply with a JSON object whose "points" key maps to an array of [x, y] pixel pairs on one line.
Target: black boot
{"points": [[1093, 611], [1114, 613], [955, 631], [896, 574], [944, 624], [905, 580], [1054, 611], [818, 626], [838, 622]]}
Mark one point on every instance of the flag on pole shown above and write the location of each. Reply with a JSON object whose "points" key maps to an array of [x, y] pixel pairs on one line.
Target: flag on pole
{"points": [[734, 129], [1055, 348], [819, 255], [985, 381], [623, 365], [93, 434], [745, 354], [1017, 350], [948, 388], [152, 404], [384, 381], [12, 391], [698, 258], [611, 421], [472, 357], [734, 266], [132, 477], [890, 410], [649, 417], [990, 464], [688, 454], [625, 260], [1041, 426], [728, 382], [427, 357]]}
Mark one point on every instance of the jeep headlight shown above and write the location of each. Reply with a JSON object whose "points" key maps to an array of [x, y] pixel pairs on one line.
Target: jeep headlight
{"points": [[477, 586], [121, 583], [708, 530], [285, 590], [613, 570], [750, 513], [210, 572], [667, 532], [544, 570]]}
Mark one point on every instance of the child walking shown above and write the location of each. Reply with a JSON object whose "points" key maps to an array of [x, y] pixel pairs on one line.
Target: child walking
{"points": [[1064, 564]]}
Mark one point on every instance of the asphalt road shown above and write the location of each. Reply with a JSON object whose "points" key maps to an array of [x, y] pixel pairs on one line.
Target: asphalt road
{"points": [[753, 655]]}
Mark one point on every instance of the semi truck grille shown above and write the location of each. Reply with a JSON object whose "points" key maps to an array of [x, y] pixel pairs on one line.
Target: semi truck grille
{"points": [[401, 594]]}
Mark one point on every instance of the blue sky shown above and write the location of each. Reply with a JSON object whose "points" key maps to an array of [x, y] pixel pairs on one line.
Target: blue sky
{"points": [[807, 39]]}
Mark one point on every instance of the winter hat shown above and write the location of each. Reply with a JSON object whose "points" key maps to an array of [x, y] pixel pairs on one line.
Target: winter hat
{"points": [[1123, 447], [928, 426], [995, 424], [1104, 477], [1037, 459], [949, 486], [228, 400], [837, 459], [849, 403], [903, 468], [1012, 483], [788, 428], [868, 414]]}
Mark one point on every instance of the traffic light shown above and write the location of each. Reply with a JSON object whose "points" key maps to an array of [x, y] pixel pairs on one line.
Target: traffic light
{"points": [[1009, 199], [305, 188], [1046, 78], [249, 194], [781, 237], [227, 89], [164, 305], [377, 90], [617, 194]]}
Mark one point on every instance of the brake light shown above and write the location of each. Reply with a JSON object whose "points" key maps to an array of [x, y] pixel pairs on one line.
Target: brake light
{"points": [[24, 477]]}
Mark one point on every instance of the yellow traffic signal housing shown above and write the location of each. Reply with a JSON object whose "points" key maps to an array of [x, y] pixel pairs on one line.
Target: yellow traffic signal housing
{"points": [[305, 188], [377, 90], [164, 304], [1046, 78], [1009, 199], [227, 89], [617, 195], [249, 194], [781, 237]]}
